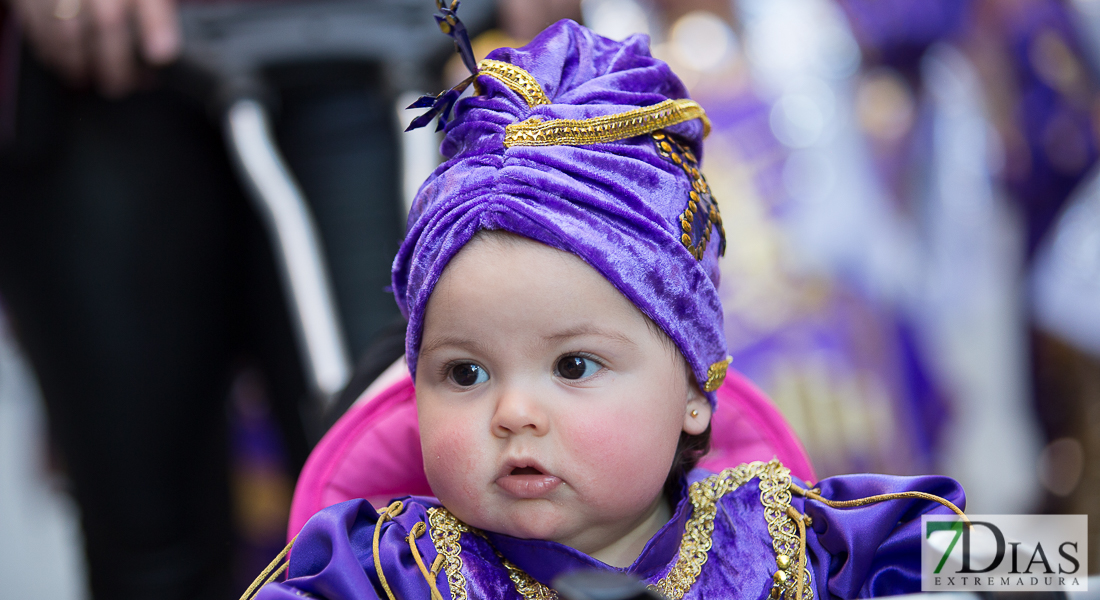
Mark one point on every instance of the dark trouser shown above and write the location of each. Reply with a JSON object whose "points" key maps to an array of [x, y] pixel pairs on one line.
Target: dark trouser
{"points": [[135, 274]]}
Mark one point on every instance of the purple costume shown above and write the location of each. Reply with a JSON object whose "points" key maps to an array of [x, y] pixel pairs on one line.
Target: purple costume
{"points": [[872, 550], [590, 146]]}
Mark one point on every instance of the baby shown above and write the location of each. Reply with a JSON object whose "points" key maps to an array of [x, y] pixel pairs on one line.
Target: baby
{"points": [[565, 336], [550, 407]]}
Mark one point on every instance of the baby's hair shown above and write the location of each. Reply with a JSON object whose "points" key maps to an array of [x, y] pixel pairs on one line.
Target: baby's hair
{"points": [[689, 451], [691, 447]]}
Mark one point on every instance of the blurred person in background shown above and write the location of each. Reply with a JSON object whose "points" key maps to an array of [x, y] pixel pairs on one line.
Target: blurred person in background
{"points": [[139, 281], [1064, 283], [1003, 135]]}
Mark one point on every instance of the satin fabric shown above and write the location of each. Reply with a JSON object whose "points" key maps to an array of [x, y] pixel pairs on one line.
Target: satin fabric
{"points": [[858, 552], [616, 205]]}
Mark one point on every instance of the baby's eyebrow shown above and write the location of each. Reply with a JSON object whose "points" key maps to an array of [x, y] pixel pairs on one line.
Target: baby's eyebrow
{"points": [[432, 344], [592, 330]]}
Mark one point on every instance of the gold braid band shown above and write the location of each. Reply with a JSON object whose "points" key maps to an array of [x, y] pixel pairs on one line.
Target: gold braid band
{"points": [[582, 132], [520, 81], [446, 534], [608, 128], [803, 522]]}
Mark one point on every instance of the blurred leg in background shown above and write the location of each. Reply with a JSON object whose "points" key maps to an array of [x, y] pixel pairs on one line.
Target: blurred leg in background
{"points": [[137, 275], [335, 128], [115, 229]]}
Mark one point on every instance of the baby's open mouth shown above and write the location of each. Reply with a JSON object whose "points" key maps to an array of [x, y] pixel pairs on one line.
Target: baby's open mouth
{"points": [[525, 471], [528, 482]]}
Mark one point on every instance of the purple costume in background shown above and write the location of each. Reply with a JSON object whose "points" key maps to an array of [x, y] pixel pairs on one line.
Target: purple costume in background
{"points": [[591, 146]]}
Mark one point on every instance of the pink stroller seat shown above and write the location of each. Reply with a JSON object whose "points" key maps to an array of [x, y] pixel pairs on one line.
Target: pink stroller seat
{"points": [[373, 450]]}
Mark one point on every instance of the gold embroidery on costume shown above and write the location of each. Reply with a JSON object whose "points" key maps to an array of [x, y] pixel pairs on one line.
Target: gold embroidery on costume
{"points": [[775, 481], [700, 214], [788, 540], [696, 543], [608, 128], [716, 374], [527, 586], [446, 533], [520, 81]]}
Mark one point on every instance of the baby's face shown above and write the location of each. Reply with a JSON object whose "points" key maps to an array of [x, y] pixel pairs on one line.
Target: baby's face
{"points": [[548, 407]]}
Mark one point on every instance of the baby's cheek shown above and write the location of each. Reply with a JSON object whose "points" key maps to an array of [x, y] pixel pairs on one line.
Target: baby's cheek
{"points": [[629, 456], [607, 447], [451, 454]]}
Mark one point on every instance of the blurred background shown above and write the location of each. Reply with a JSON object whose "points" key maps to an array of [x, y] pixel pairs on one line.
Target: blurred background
{"points": [[909, 189]]}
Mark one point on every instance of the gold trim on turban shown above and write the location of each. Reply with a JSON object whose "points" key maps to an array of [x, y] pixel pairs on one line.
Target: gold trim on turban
{"points": [[608, 128], [516, 78], [582, 132]]}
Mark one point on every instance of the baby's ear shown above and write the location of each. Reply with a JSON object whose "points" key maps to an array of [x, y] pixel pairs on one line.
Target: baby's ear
{"points": [[697, 410]]}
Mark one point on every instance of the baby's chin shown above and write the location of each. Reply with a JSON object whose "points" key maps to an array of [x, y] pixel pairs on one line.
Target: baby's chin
{"points": [[527, 519]]}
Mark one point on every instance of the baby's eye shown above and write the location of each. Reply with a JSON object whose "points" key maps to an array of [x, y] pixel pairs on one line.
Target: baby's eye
{"points": [[468, 374], [577, 367]]}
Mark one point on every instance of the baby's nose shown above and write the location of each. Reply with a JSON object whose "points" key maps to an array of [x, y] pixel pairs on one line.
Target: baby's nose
{"points": [[519, 412]]}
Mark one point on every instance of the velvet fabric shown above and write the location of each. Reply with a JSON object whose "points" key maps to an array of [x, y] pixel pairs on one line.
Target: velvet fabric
{"points": [[858, 552], [616, 205]]}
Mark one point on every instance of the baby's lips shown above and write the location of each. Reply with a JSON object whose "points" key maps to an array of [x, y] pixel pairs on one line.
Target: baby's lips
{"points": [[526, 478], [528, 486]]}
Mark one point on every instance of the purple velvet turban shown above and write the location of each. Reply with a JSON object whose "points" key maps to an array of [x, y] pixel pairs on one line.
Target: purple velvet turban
{"points": [[587, 145]]}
